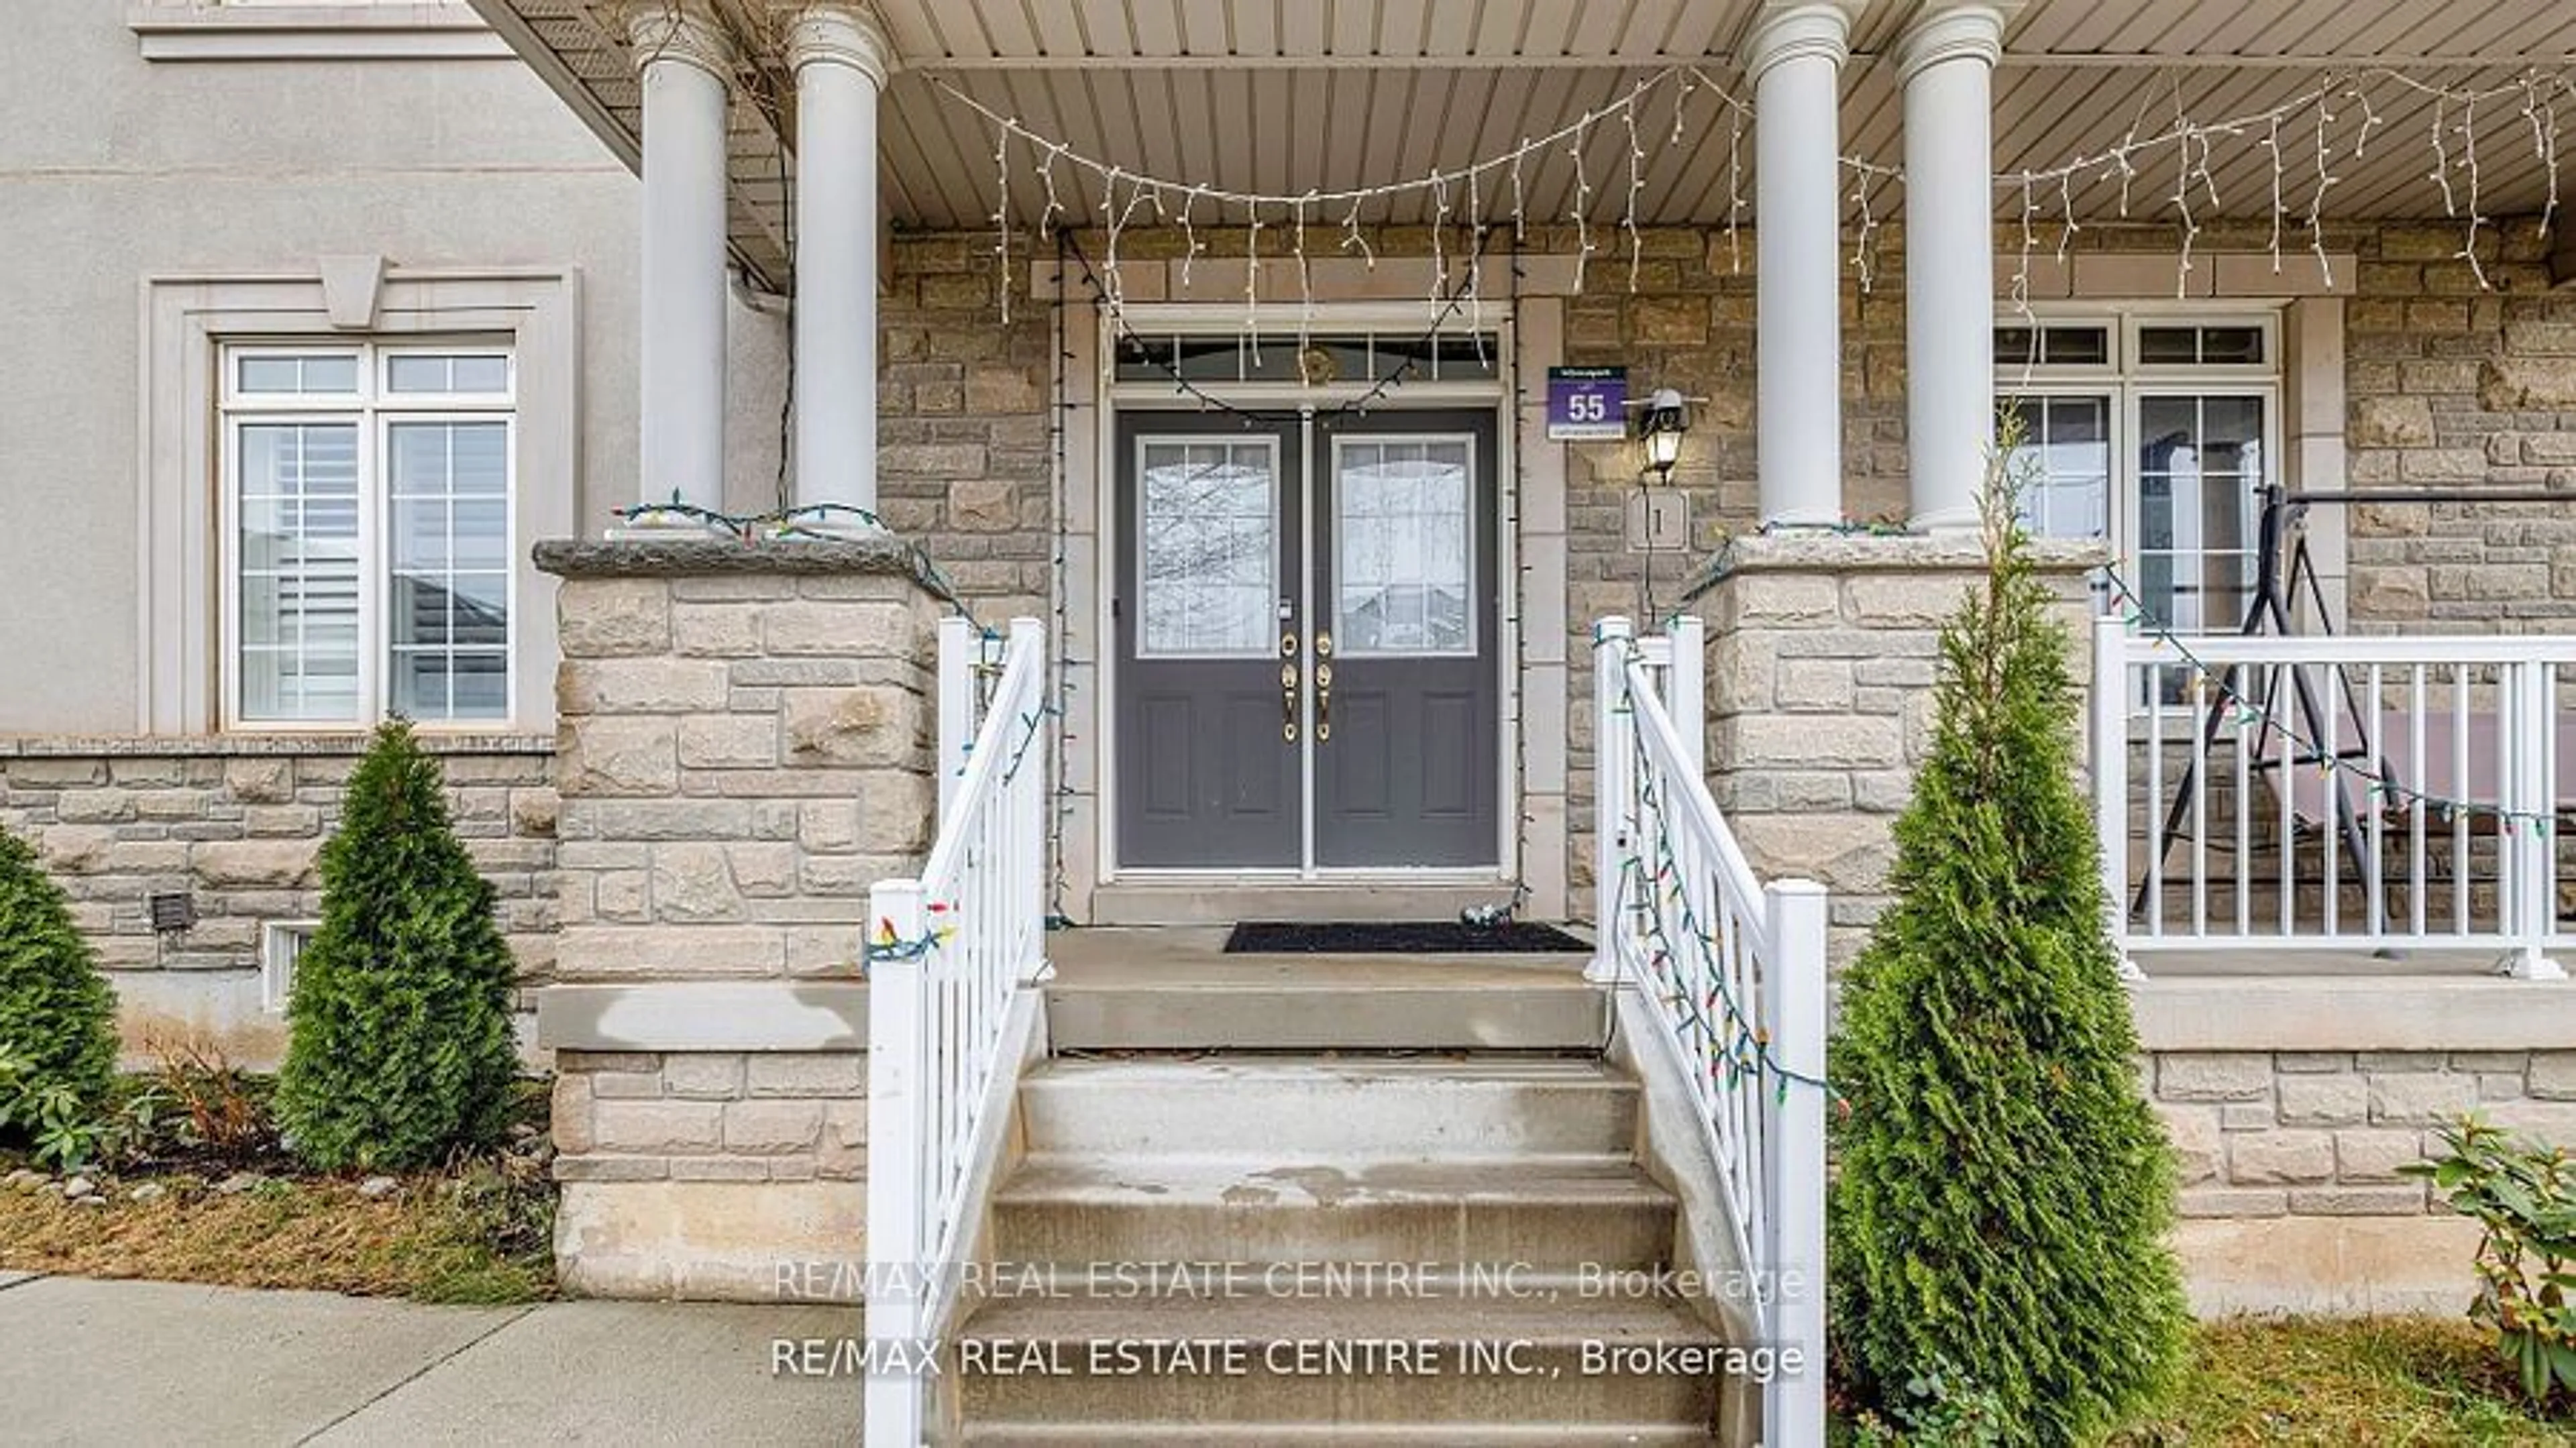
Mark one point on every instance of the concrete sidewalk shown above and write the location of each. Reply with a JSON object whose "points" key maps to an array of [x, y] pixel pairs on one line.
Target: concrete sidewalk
{"points": [[85, 1361]]}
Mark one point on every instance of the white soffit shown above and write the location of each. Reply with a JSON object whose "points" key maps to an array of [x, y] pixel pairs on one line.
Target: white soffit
{"points": [[1286, 95]]}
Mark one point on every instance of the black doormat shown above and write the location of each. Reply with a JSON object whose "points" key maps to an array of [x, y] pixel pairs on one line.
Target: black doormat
{"points": [[1408, 937]]}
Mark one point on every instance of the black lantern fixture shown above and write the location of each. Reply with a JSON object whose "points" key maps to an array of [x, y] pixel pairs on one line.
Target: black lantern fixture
{"points": [[1660, 428]]}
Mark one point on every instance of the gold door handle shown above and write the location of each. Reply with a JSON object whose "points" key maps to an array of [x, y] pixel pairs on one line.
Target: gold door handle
{"points": [[1323, 645], [1288, 702], [1323, 696]]}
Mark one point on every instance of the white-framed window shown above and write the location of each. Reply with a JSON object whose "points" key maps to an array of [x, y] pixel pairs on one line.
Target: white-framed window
{"points": [[2155, 431], [281, 945], [367, 532]]}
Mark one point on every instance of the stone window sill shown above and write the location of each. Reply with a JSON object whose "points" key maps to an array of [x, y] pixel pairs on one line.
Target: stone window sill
{"points": [[191, 30], [163, 746]]}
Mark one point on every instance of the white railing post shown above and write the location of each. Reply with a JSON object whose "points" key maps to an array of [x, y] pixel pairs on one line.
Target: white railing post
{"points": [[2526, 857], [1686, 690], [896, 1276], [959, 650], [1793, 1011], [2110, 705], [1612, 759], [1033, 797]]}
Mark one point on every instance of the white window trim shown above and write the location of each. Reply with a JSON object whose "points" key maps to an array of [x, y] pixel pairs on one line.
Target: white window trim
{"points": [[192, 30], [281, 945], [375, 409], [186, 322], [2126, 380]]}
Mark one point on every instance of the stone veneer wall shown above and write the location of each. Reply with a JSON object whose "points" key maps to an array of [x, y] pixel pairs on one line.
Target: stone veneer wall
{"points": [[966, 454], [2447, 386], [1821, 658], [745, 749], [2461, 389], [237, 823], [2290, 1196]]}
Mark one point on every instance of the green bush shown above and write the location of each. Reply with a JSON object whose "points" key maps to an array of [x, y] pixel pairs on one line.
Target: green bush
{"points": [[2524, 1198], [57, 1016], [2003, 1186], [1938, 1410], [400, 1047]]}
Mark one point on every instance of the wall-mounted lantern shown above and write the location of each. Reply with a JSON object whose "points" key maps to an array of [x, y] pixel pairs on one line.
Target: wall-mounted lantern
{"points": [[1660, 428]]}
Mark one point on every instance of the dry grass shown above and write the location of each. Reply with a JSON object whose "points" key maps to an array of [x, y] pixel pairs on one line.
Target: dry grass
{"points": [[474, 1235], [2381, 1383], [2315, 1383]]}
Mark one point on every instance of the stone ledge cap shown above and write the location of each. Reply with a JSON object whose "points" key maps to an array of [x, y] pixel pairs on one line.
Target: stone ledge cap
{"points": [[748, 1016], [1795, 551], [244, 746], [691, 557], [2348, 1013]]}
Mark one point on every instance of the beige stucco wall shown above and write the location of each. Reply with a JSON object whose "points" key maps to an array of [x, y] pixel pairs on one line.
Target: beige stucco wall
{"points": [[114, 169]]}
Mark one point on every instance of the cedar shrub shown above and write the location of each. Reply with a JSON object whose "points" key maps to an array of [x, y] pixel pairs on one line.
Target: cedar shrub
{"points": [[57, 1016], [400, 1047], [2004, 1186]]}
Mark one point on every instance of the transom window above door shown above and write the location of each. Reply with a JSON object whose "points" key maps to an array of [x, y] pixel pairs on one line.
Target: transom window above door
{"points": [[1321, 359], [367, 533], [2155, 433]]}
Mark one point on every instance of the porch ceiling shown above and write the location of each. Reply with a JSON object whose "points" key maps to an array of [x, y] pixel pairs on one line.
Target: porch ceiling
{"points": [[1287, 95]]}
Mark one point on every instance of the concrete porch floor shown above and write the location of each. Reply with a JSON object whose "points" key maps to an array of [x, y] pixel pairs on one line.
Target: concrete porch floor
{"points": [[1175, 988], [1093, 956]]}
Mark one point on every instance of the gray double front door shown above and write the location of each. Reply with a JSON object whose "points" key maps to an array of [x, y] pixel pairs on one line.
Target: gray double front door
{"points": [[1308, 639]]}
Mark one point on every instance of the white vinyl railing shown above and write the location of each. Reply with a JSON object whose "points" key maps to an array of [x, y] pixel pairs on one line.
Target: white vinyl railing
{"points": [[2364, 794], [1735, 970], [947, 953]]}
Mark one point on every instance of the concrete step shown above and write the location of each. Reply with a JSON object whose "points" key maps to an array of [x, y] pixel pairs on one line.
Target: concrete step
{"points": [[1196, 902], [1176, 989], [1343, 1363], [1560, 1014], [1539, 1212], [1328, 1109]]}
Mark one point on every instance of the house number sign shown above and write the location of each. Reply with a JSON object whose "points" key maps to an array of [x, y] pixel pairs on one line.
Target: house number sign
{"points": [[1587, 404]]}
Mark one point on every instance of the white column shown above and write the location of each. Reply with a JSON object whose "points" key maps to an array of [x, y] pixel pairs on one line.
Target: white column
{"points": [[686, 62], [1794, 56], [841, 59], [1947, 61]]}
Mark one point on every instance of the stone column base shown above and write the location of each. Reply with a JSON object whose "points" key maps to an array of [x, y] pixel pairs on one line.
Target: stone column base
{"points": [[744, 750], [1823, 648], [704, 1241]]}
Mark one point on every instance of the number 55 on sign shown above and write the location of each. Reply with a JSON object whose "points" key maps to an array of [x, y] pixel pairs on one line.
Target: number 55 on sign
{"points": [[1587, 404]]}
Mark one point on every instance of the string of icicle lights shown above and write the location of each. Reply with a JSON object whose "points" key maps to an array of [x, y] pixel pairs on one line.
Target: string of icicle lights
{"points": [[2328, 122], [2302, 141]]}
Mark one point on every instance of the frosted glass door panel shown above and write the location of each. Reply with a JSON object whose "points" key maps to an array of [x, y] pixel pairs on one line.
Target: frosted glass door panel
{"points": [[1208, 546], [1403, 535]]}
